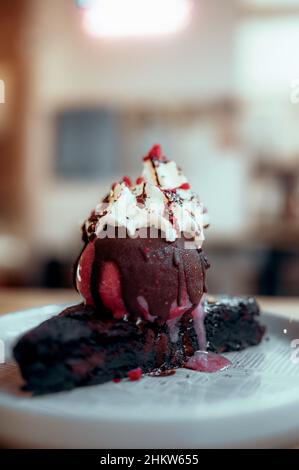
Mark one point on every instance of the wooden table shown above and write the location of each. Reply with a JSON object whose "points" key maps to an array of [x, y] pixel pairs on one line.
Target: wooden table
{"points": [[18, 299], [12, 300]]}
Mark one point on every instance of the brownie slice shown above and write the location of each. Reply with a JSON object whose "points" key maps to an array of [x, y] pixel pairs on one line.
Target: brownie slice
{"points": [[75, 348], [232, 323]]}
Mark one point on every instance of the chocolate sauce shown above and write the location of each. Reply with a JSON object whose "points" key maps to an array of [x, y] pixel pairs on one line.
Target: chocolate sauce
{"points": [[169, 275]]}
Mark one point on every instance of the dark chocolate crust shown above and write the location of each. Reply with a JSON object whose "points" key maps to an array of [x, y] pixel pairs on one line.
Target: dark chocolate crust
{"points": [[75, 348], [159, 271], [231, 323]]}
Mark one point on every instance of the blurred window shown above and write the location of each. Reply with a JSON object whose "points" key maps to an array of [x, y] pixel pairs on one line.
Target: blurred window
{"points": [[267, 45], [88, 143]]}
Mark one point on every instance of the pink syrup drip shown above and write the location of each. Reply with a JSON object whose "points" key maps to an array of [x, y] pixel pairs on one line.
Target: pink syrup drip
{"points": [[144, 309], [176, 311], [198, 319], [173, 329], [203, 361]]}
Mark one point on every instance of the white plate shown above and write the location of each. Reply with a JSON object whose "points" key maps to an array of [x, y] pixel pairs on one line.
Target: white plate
{"points": [[255, 403]]}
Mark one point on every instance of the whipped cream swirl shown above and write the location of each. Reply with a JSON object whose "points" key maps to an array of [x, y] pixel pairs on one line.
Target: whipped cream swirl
{"points": [[160, 199]]}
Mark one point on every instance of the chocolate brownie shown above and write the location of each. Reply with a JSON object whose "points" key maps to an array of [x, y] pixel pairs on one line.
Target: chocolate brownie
{"points": [[77, 348]]}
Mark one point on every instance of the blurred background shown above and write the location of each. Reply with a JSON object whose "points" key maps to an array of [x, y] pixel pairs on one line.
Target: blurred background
{"points": [[86, 88]]}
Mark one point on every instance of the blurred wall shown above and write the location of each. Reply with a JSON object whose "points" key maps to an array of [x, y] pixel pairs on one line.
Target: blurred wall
{"points": [[70, 66], [15, 80], [70, 69], [214, 95]]}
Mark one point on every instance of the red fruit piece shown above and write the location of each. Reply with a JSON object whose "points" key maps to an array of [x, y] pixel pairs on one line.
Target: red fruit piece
{"points": [[127, 181], [84, 269], [110, 290], [135, 374], [140, 180], [155, 153], [185, 186], [117, 380]]}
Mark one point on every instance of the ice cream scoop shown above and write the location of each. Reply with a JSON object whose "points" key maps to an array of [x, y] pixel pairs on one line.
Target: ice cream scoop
{"points": [[143, 256]]}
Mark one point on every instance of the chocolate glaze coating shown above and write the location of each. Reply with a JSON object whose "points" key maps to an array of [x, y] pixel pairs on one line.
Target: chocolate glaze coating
{"points": [[163, 273]]}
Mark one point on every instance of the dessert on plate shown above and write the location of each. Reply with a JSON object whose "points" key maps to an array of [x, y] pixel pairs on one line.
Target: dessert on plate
{"points": [[142, 277], [134, 263]]}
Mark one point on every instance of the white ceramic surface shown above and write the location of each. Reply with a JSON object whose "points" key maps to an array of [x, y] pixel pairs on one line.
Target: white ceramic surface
{"points": [[255, 403]]}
